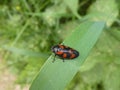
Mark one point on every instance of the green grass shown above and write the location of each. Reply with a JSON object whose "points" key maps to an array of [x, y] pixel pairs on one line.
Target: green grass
{"points": [[29, 28], [55, 76]]}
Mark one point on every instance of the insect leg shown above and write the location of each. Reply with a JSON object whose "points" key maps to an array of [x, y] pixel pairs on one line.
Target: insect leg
{"points": [[54, 58], [63, 60]]}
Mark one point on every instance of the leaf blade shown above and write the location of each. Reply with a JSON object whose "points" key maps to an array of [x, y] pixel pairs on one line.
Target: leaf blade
{"points": [[57, 75]]}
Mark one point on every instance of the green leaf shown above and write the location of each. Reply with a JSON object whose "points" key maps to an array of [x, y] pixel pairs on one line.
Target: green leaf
{"points": [[55, 76], [105, 10], [24, 52], [73, 5], [112, 78]]}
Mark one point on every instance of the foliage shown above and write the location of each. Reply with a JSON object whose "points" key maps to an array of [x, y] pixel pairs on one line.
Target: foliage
{"points": [[28, 29], [79, 40]]}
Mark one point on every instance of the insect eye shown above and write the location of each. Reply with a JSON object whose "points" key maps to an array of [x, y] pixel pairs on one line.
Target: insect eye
{"points": [[56, 49]]}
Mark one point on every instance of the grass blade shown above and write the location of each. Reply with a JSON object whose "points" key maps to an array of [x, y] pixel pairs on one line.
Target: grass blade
{"points": [[55, 76]]}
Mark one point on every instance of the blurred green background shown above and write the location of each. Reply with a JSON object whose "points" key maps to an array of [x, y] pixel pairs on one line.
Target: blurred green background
{"points": [[28, 29]]}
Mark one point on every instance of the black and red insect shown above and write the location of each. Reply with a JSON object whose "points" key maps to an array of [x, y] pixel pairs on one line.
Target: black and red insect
{"points": [[64, 52]]}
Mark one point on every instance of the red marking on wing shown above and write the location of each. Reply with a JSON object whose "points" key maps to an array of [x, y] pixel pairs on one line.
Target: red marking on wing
{"points": [[72, 56], [64, 55], [59, 53]]}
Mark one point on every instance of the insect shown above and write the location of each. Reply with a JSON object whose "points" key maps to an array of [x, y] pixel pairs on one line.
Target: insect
{"points": [[64, 52]]}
